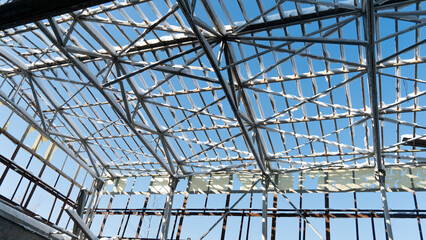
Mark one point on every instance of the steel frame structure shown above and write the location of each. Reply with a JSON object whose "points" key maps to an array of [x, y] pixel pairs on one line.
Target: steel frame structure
{"points": [[175, 91]]}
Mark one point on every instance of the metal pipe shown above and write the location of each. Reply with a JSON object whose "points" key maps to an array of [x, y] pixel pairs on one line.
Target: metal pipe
{"points": [[265, 184], [370, 30], [168, 209], [381, 179], [81, 201]]}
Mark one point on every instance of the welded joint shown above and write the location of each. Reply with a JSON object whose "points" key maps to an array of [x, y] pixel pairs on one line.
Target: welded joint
{"points": [[89, 154], [56, 31], [266, 180], [96, 192], [91, 78], [99, 183], [379, 173], [71, 27], [212, 60], [168, 151], [173, 181]]}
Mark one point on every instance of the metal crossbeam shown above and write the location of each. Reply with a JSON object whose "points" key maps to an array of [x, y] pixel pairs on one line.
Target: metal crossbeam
{"points": [[224, 84]]}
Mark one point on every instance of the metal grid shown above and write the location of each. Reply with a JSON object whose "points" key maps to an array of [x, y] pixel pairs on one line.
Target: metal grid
{"points": [[181, 89]]}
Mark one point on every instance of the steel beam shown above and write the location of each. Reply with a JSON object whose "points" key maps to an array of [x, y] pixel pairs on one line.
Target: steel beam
{"points": [[36, 181], [228, 211], [265, 185], [151, 115], [26, 117], [213, 61], [43, 89], [372, 82], [103, 42], [370, 30], [281, 213], [386, 215], [92, 79], [96, 192], [80, 223], [81, 202], [168, 209], [302, 216], [296, 20]]}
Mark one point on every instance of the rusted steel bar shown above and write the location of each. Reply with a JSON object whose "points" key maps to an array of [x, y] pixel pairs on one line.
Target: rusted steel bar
{"points": [[418, 218], [228, 196], [327, 216], [142, 215], [311, 213], [274, 218], [185, 200], [36, 181], [249, 215], [105, 216], [372, 226]]}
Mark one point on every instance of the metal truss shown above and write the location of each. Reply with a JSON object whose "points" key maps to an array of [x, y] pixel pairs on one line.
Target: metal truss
{"points": [[180, 89]]}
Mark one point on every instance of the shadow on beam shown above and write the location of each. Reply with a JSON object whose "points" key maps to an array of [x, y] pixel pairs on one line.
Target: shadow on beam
{"points": [[20, 12], [421, 142]]}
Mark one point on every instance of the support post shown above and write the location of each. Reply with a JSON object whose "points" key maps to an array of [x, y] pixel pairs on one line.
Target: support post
{"points": [[381, 179], [168, 208], [370, 31], [265, 184], [327, 216], [81, 202], [274, 218], [225, 219], [94, 197]]}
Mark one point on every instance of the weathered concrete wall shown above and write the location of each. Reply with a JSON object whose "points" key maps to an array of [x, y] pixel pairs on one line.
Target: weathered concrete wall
{"points": [[12, 231]]}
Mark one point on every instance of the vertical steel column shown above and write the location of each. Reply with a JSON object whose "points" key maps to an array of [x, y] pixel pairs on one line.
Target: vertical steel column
{"points": [[370, 31], [274, 218], [265, 184], [381, 178], [225, 219], [372, 84], [81, 202], [168, 210], [249, 217], [356, 218], [373, 229], [106, 215], [182, 214], [241, 225], [418, 219], [98, 185], [300, 217], [327, 216], [145, 206]]}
